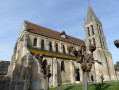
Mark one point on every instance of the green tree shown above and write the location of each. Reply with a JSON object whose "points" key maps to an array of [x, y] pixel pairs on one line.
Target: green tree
{"points": [[117, 64]]}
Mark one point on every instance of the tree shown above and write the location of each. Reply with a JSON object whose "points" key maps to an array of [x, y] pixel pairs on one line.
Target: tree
{"points": [[86, 60], [117, 64], [116, 42], [44, 69]]}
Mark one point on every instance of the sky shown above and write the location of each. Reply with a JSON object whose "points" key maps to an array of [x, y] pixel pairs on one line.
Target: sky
{"points": [[59, 15]]}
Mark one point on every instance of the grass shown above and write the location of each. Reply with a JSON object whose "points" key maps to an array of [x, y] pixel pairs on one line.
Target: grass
{"points": [[61, 86], [113, 85]]}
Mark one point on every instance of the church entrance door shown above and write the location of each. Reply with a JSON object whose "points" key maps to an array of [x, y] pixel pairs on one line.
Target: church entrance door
{"points": [[77, 75]]}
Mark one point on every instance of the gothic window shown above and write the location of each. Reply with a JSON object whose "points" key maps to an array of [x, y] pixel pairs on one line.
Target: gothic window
{"points": [[88, 31], [62, 66], [35, 42], [89, 41], [100, 41], [99, 30], [50, 46], [92, 29], [42, 44], [56, 47], [97, 26], [103, 43], [94, 42], [44, 64], [64, 49]]}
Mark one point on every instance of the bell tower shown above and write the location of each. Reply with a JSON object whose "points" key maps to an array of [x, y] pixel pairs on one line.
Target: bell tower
{"points": [[94, 35], [94, 31]]}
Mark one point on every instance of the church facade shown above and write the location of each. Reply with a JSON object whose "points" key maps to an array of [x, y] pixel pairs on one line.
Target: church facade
{"points": [[24, 70]]}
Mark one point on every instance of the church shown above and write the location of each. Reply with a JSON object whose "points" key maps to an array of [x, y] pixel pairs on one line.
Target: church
{"points": [[24, 69]]}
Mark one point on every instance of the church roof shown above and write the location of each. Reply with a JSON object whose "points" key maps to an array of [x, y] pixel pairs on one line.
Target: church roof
{"points": [[33, 28], [91, 15]]}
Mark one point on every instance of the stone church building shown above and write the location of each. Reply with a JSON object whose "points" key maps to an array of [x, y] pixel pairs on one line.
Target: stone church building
{"points": [[24, 69]]}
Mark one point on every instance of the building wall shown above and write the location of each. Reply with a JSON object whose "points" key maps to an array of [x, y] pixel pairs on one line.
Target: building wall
{"points": [[65, 76]]}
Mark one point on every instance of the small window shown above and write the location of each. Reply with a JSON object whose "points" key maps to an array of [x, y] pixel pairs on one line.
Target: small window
{"points": [[50, 46], [88, 31], [100, 41], [103, 43], [94, 42], [89, 41], [63, 36], [35, 42], [97, 26], [42, 44], [92, 29], [100, 30], [64, 49], [62, 66], [44, 64], [56, 47]]}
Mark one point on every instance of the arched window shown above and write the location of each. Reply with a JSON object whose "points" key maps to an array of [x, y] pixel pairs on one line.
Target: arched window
{"points": [[62, 66], [88, 31], [92, 29], [100, 41], [42, 44], [56, 47], [94, 42], [100, 30], [97, 26], [50, 46], [64, 50], [44, 64], [35, 42], [103, 43], [89, 41]]}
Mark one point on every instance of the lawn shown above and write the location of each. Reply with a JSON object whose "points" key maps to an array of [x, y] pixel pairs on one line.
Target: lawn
{"points": [[113, 85], [61, 86]]}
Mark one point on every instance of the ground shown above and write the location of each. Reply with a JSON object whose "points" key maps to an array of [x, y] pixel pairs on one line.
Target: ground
{"points": [[112, 85]]}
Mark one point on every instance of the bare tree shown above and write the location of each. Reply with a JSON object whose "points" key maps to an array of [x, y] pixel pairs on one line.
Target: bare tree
{"points": [[116, 42], [45, 71], [86, 60]]}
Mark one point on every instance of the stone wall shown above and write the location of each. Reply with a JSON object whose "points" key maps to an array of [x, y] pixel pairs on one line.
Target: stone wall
{"points": [[3, 69]]}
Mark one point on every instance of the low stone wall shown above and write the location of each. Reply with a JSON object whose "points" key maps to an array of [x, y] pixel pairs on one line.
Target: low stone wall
{"points": [[3, 69]]}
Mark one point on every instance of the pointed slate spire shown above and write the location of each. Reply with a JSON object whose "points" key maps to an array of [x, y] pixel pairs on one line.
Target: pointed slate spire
{"points": [[91, 15]]}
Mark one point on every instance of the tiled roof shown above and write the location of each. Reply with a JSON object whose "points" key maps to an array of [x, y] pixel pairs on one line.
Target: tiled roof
{"points": [[33, 28]]}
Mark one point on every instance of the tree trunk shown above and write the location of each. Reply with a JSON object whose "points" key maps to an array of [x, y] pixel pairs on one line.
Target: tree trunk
{"points": [[47, 83], [85, 81]]}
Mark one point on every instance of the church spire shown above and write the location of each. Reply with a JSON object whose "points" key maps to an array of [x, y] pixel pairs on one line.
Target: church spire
{"points": [[90, 15]]}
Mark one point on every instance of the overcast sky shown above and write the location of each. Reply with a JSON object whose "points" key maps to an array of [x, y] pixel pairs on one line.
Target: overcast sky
{"points": [[58, 15]]}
